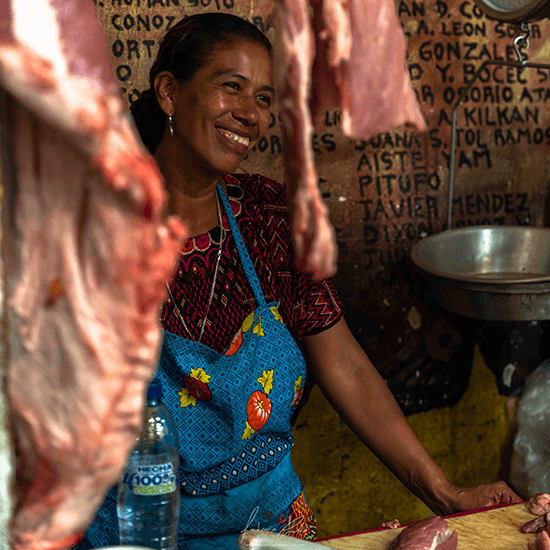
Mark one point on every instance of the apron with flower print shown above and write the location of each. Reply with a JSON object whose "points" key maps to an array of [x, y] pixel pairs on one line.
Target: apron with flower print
{"points": [[232, 411]]}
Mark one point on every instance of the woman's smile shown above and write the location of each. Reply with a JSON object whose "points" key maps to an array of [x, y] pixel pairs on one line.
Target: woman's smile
{"points": [[235, 139], [222, 112]]}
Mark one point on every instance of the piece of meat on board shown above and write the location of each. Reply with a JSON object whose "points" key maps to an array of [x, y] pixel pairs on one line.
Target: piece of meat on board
{"points": [[393, 524], [537, 524], [350, 55], [87, 252], [539, 504], [427, 534]]}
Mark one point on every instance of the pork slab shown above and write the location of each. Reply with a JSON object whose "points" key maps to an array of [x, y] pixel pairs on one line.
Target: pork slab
{"points": [[539, 504], [314, 236], [360, 67], [427, 534], [350, 55], [87, 253], [537, 524]]}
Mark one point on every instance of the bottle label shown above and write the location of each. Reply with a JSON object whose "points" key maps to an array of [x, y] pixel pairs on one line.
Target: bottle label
{"points": [[158, 479]]}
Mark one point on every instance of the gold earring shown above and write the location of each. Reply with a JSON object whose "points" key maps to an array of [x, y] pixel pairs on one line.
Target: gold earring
{"points": [[170, 125]]}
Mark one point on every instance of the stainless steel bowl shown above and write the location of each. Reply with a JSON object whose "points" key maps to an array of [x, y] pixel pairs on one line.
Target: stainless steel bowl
{"points": [[489, 272]]}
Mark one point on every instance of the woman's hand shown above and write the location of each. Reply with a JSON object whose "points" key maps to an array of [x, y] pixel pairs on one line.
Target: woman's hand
{"points": [[472, 498], [362, 399]]}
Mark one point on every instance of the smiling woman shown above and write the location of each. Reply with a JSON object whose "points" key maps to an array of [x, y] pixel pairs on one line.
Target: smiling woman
{"points": [[189, 46], [232, 373], [218, 115], [209, 104], [239, 312]]}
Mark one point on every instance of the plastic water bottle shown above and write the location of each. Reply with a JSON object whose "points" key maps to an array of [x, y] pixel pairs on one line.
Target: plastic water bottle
{"points": [[148, 491]]}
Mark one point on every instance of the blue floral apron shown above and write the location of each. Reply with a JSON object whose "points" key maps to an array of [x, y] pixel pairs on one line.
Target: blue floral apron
{"points": [[233, 414]]}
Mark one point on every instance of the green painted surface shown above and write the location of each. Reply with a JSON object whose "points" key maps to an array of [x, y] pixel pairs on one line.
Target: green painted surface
{"points": [[350, 490]]}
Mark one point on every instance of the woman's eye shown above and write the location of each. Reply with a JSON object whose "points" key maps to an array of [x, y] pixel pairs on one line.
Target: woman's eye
{"points": [[265, 98], [233, 85]]}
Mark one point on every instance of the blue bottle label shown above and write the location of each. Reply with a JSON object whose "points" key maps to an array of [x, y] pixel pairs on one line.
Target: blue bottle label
{"points": [[157, 479]]}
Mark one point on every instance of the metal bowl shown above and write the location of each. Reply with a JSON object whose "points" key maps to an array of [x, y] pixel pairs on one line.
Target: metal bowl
{"points": [[487, 272]]}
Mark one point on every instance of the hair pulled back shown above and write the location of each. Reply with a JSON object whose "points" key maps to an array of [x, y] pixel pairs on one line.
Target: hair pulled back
{"points": [[184, 50]]}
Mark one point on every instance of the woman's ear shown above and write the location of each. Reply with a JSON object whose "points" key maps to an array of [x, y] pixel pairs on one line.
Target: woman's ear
{"points": [[165, 88]]}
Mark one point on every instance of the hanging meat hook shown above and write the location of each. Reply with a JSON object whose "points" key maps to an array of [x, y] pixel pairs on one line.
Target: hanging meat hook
{"points": [[522, 41]]}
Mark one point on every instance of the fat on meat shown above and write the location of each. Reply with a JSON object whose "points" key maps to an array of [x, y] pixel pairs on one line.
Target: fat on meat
{"points": [[347, 54], [427, 534], [87, 251], [539, 504]]}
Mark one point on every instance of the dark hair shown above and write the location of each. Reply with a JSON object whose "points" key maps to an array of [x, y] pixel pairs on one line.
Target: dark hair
{"points": [[185, 49]]}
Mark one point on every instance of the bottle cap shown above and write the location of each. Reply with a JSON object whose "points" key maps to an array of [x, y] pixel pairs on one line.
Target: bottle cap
{"points": [[155, 389]]}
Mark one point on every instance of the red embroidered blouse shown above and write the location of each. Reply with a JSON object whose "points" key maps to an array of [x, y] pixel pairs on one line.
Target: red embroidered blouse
{"points": [[261, 210]]}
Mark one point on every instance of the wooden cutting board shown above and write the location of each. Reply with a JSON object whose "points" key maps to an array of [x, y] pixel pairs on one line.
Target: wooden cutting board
{"points": [[493, 529]]}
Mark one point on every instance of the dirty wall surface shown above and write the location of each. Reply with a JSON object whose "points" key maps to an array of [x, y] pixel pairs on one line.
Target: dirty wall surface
{"points": [[386, 193]]}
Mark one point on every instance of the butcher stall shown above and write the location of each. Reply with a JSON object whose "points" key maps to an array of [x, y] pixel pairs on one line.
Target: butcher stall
{"points": [[474, 164]]}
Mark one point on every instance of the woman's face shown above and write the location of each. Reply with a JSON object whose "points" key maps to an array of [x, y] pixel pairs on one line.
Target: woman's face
{"points": [[224, 110]]}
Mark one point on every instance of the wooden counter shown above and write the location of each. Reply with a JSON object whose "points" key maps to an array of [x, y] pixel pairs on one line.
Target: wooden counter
{"points": [[494, 529]]}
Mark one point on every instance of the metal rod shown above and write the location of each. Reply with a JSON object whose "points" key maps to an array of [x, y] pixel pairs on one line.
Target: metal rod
{"points": [[462, 97]]}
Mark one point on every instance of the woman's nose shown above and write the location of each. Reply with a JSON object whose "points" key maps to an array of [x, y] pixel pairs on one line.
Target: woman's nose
{"points": [[246, 111]]}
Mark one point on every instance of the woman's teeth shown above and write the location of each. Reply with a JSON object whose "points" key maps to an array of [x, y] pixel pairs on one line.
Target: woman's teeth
{"points": [[239, 139]]}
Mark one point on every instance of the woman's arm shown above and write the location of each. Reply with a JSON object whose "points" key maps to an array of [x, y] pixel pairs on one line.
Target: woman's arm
{"points": [[360, 396]]}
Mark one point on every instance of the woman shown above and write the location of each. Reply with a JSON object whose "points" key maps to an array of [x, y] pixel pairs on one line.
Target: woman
{"points": [[231, 370]]}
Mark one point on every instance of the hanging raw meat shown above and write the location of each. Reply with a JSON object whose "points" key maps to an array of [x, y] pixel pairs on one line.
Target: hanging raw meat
{"points": [[361, 68], [349, 54], [313, 234], [87, 252], [87, 249]]}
